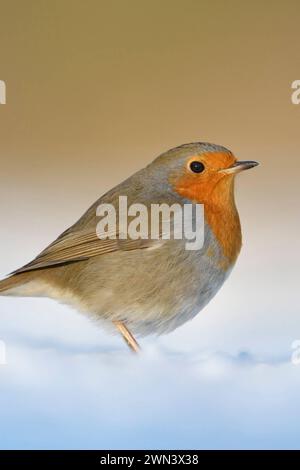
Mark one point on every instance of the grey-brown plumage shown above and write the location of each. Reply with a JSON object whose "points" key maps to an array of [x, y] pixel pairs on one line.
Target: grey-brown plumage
{"points": [[152, 286]]}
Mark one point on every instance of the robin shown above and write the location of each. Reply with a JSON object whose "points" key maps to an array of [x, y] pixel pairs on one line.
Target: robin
{"points": [[141, 286]]}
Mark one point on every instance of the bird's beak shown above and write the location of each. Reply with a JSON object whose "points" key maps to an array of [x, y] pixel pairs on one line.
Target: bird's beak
{"points": [[239, 166]]}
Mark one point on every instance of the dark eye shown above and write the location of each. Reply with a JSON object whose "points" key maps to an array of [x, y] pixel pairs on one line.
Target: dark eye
{"points": [[197, 167]]}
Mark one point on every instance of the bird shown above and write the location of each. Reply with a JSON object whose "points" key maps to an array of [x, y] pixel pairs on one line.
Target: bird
{"points": [[139, 287]]}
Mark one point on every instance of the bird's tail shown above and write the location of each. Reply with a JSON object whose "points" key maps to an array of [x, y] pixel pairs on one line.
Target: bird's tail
{"points": [[15, 284]]}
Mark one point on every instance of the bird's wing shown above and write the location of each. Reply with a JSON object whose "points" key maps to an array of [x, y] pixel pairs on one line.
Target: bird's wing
{"points": [[79, 246], [81, 241]]}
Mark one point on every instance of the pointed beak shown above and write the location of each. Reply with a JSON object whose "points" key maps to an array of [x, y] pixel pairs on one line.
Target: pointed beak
{"points": [[239, 166]]}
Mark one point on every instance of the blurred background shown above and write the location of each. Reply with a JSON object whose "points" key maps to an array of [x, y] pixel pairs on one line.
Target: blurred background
{"points": [[95, 91]]}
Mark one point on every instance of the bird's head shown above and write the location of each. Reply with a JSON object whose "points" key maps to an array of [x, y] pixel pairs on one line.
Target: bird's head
{"points": [[202, 172]]}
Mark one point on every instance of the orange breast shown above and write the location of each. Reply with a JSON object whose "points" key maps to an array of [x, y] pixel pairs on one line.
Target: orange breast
{"points": [[220, 212], [227, 230]]}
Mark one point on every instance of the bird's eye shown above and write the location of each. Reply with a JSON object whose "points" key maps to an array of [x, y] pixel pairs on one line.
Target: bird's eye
{"points": [[197, 167]]}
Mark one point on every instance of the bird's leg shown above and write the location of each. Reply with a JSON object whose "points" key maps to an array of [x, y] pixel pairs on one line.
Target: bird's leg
{"points": [[129, 338]]}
